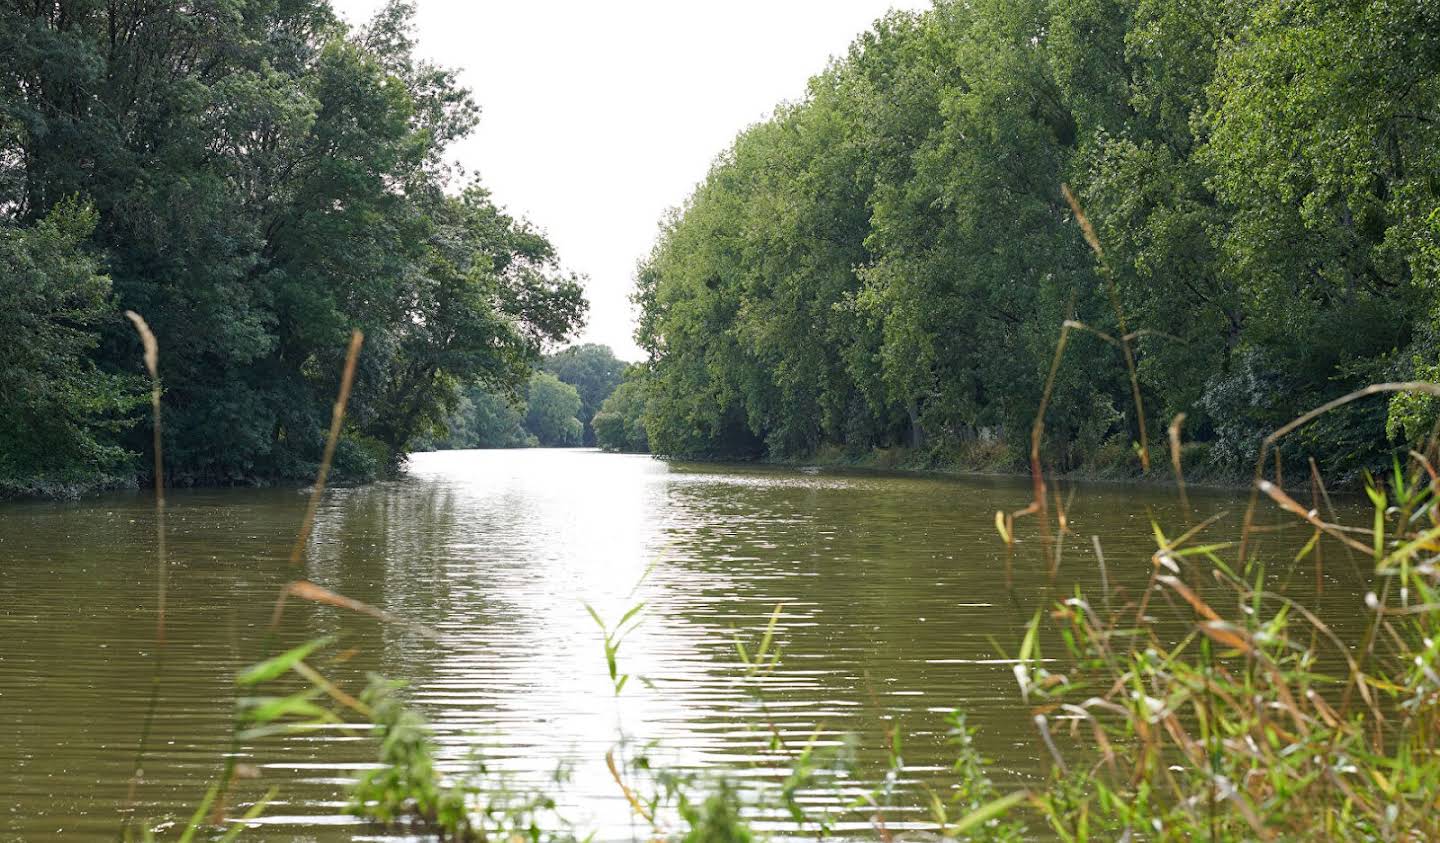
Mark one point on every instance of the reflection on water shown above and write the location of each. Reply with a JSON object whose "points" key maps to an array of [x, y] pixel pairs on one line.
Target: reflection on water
{"points": [[894, 610]]}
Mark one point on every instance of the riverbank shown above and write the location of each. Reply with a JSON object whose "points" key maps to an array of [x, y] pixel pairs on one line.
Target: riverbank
{"points": [[80, 486], [63, 488], [997, 461]]}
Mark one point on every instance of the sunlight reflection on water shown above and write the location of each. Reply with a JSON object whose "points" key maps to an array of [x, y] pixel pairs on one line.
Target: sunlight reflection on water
{"points": [[894, 610]]}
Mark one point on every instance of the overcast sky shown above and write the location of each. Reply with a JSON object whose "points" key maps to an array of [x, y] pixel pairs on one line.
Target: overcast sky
{"points": [[598, 116]]}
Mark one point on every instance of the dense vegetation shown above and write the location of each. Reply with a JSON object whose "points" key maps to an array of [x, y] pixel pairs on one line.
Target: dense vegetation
{"points": [[256, 179], [555, 409], [620, 423], [594, 371], [889, 261]]}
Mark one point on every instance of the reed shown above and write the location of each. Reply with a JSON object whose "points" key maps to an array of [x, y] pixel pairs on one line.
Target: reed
{"points": [[162, 566], [1258, 721]]}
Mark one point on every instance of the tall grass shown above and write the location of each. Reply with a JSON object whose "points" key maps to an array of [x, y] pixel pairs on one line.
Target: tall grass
{"points": [[1260, 722], [1257, 721]]}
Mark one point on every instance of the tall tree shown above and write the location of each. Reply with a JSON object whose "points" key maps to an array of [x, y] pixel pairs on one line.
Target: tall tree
{"points": [[890, 260], [264, 180]]}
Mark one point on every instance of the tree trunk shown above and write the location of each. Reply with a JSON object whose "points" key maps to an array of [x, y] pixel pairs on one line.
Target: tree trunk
{"points": [[917, 430]]}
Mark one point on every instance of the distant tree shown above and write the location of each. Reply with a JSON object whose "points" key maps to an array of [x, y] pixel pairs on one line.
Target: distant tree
{"points": [[594, 371], [550, 411], [497, 421], [620, 423], [482, 419]]}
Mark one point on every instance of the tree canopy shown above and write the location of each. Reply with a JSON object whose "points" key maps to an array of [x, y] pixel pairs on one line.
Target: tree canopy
{"points": [[60, 407], [561, 397], [620, 423], [594, 371], [551, 411], [256, 179], [890, 260]]}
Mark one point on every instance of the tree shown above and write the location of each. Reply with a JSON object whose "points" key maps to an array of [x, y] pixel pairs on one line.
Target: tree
{"points": [[61, 413], [1324, 139], [483, 419], [490, 299], [550, 411], [264, 180], [889, 261], [620, 424], [594, 371]]}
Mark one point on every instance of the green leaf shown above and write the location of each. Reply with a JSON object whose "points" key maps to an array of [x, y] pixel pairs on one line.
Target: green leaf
{"points": [[261, 710], [1032, 635], [634, 610], [198, 818], [254, 811], [989, 811], [274, 667]]}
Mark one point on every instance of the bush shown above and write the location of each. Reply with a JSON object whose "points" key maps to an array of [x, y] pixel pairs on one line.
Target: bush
{"points": [[620, 424], [360, 459], [63, 416], [550, 411]]}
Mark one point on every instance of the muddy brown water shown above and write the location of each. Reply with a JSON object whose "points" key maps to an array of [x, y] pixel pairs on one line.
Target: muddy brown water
{"points": [[894, 611]]}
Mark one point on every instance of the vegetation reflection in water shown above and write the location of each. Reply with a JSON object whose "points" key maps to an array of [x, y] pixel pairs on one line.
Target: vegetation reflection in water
{"points": [[895, 612]]}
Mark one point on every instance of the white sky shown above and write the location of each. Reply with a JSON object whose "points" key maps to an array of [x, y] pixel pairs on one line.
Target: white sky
{"points": [[598, 116]]}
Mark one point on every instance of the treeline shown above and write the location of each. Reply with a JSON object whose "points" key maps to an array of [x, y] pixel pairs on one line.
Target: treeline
{"points": [[889, 262], [256, 179], [554, 409]]}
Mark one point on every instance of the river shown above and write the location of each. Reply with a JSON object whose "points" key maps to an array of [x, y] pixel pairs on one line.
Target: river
{"points": [[893, 611]]}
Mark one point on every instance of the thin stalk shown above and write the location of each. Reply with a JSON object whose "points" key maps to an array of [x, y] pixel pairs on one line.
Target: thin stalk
{"points": [[1090, 237], [152, 365], [337, 418]]}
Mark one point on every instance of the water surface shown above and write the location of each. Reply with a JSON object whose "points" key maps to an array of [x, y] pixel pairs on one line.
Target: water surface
{"points": [[892, 593]]}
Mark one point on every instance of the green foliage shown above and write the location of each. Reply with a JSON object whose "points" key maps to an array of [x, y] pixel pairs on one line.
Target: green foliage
{"points": [[1412, 416], [407, 786], [889, 261], [359, 455], [982, 810], [487, 417], [62, 414], [620, 423], [594, 371], [1258, 721], [483, 419], [550, 411], [716, 819], [614, 637], [283, 181]]}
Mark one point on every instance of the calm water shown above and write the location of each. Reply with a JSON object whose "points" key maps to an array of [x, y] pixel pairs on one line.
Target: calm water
{"points": [[893, 595]]}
